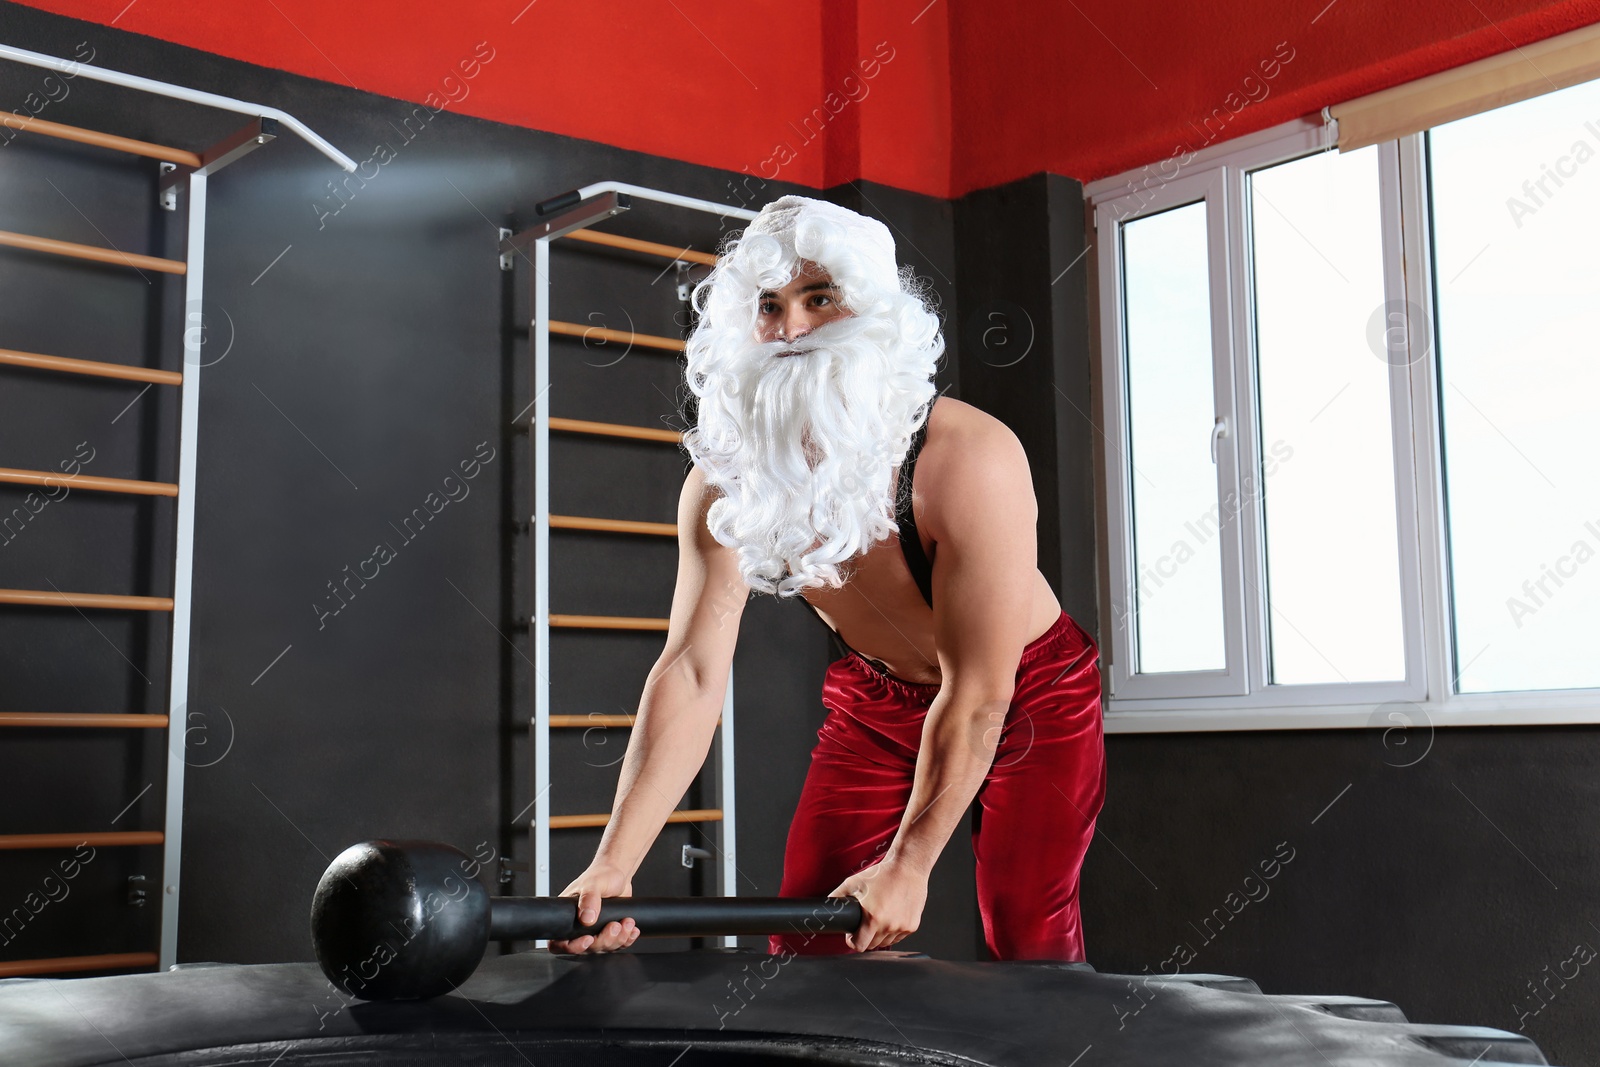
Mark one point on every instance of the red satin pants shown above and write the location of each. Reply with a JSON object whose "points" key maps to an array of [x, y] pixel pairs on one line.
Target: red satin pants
{"points": [[1032, 819]]}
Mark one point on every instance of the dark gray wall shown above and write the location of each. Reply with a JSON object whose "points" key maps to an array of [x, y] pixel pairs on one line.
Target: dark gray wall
{"points": [[1023, 334], [1445, 871]]}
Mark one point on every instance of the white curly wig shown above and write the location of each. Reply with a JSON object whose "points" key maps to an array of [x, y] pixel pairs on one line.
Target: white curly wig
{"points": [[800, 437]]}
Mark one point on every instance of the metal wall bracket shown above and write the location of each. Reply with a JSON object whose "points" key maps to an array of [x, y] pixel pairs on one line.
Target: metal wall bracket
{"points": [[138, 890], [691, 853], [507, 256], [241, 142], [509, 869], [590, 211], [167, 192]]}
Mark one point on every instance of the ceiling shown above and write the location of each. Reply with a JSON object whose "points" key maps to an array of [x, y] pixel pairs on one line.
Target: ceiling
{"points": [[937, 97]]}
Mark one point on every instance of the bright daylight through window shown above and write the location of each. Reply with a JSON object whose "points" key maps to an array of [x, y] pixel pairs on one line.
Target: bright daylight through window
{"points": [[1350, 406], [1516, 221]]}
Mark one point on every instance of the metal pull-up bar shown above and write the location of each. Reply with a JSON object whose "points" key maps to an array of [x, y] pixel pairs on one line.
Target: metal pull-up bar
{"points": [[79, 69]]}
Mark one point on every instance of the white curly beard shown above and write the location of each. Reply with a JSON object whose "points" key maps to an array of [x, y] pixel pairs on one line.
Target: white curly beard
{"points": [[800, 438]]}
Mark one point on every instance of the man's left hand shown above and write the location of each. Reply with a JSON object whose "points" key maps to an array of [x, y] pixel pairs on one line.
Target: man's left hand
{"points": [[892, 897]]}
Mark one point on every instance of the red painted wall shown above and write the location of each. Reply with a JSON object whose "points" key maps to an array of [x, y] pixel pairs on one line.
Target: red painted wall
{"points": [[938, 97], [1093, 89]]}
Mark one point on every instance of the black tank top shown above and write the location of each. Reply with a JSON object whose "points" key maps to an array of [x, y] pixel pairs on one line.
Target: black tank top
{"points": [[910, 543]]}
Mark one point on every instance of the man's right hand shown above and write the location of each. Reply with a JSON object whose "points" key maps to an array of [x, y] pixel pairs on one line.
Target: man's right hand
{"points": [[593, 885]]}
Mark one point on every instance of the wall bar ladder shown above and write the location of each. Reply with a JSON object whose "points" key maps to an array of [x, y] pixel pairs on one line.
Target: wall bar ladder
{"points": [[570, 215], [186, 173]]}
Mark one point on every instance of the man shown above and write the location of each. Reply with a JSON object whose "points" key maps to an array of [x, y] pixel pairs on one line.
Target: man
{"points": [[826, 468]]}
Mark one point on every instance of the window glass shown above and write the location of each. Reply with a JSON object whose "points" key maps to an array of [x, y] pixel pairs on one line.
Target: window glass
{"points": [[1515, 197], [1177, 612], [1325, 342]]}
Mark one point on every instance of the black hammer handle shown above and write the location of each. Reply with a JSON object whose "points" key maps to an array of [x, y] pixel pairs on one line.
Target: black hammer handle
{"points": [[556, 918]]}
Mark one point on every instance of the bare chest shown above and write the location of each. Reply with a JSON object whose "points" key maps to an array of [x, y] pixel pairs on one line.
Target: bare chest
{"points": [[880, 612]]}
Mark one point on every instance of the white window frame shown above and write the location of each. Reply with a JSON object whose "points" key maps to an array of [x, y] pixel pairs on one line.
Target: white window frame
{"points": [[1239, 698], [1205, 188]]}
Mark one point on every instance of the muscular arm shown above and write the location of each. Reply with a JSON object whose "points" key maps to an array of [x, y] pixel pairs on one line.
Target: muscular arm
{"points": [[683, 694], [980, 511]]}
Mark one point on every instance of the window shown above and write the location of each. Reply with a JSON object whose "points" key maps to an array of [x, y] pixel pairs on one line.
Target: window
{"points": [[1349, 404], [1178, 555], [1330, 543], [1177, 567], [1515, 197]]}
